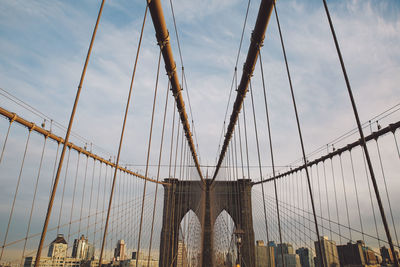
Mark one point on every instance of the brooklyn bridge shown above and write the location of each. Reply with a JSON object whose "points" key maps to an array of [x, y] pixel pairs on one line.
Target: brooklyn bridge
{"points": [[275, 144]]}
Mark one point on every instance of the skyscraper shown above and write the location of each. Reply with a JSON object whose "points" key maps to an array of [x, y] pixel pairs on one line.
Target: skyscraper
{"points": [[291, 260], [119, 251], [306, 257], [286, 247], [329, 252], [58, 248], [264, 255], [352, 254], [387, 256], [79, 250]]}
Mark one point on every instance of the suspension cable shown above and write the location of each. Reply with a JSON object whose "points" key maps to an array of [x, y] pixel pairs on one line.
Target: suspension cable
{"points": [[257, 39]]}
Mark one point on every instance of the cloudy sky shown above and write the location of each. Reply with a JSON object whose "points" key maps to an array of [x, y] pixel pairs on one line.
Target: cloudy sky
{"points": [[43, 45]]}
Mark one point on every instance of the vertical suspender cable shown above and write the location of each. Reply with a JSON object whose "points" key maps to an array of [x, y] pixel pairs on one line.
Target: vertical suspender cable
{"points": [[241, 150], [371, 201], [5, 141], [34, 198], [63, 190], [97, 205], [53, 193], [362, 138], [336, 200], [345, 196], [122, 137], [16, 193], [245, 136], [386, 190], [395, 141], [83, 195], [355, 189], [327, 200], [54, 169], [320, 200], [90, 199], [300, 137], [73, 197]]}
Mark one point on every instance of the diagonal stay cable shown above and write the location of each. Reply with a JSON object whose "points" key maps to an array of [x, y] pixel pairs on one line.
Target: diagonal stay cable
{"points": [[362, 138], [53, 192]]}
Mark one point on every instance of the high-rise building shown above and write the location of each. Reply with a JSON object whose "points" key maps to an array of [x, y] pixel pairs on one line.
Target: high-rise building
{"points": [[90, 252], [329, 252], [79, 250], [264, 255], [58, 248], [119, 251], [352, 254], [291, 260], [387, 256], [82, 249], [370, 256], [306, 257], [286, 247]]}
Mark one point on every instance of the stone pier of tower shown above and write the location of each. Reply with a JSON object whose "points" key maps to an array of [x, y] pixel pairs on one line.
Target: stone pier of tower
{"points": [[207, 201]]}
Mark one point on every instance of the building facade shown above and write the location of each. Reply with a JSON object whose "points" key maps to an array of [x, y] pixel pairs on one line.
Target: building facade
{"points": [[265, 256], [329, 253], [306, 257]]}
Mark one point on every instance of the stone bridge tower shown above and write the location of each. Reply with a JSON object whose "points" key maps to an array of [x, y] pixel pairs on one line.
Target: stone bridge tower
{"points": [[207, 202]]}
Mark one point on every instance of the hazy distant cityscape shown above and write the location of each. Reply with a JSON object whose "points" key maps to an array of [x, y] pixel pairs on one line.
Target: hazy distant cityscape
{"points": [[269, 254]]}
